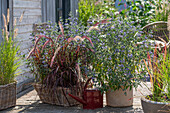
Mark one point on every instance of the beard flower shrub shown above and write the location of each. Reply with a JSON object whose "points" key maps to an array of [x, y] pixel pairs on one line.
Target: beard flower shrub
{"points": [[118, 56]]}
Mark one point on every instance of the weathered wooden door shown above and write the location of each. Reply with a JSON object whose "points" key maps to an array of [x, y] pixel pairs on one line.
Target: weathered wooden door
{"points": [[53, 9], [4, 4], [48, 10]]}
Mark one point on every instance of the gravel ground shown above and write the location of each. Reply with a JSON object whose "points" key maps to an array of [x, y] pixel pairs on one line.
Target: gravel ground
{"points": [[29, 102]]}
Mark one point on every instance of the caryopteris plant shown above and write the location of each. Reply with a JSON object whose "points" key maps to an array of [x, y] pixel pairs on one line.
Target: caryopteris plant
{"points": [[9, 61]]}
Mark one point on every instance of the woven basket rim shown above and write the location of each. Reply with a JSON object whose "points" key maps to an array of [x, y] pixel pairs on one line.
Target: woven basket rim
{"points": [[14, 82], [38, 83]]}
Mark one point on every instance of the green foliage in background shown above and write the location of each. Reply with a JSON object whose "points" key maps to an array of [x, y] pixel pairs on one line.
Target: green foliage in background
{"points": [[139, 11], [86, 10], [93, 10]]}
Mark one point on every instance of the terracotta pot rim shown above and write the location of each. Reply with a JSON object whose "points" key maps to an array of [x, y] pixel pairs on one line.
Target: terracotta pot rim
{"points": [[111, 89], [154, 102]]}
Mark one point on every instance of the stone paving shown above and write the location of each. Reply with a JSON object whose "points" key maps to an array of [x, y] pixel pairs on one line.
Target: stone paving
{"points": [[29, 102]]}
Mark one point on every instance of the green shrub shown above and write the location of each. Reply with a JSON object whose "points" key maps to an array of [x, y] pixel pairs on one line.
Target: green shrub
{"points": [[93, 10]]}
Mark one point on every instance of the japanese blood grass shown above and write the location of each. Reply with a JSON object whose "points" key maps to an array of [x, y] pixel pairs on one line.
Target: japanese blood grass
{"points": [[9, 59], [159, 70], [57, 60]]}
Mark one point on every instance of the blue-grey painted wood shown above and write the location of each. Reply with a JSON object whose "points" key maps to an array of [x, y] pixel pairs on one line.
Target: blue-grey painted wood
{"points": [[11, 15], [51, 9], [48, 10], [66, 8], [74, 7], [3, 10], [54, 10], [44, 10], [0, 20]]}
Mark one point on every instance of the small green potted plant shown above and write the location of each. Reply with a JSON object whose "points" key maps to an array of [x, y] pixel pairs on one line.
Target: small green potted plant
{"points": [[57, 58], [9, 63], [158, 67], [118, 59]]}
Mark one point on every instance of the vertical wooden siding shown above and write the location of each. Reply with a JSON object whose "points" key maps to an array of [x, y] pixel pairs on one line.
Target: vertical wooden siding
{"points": [[3, 10], [32, 14], [49, 10], [74, 7]]}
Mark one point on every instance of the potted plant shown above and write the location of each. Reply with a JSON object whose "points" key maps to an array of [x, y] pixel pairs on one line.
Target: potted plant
{"points": [[57, 59], [117, 59], [158, 67], [9, 63]]}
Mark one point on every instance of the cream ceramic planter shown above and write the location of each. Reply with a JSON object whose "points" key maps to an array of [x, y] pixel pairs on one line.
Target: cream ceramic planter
{"points": [[119, 99]]}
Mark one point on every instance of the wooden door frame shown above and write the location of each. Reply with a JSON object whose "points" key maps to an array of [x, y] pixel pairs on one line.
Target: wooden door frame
{"points": [[4, 5], [11, 20]]}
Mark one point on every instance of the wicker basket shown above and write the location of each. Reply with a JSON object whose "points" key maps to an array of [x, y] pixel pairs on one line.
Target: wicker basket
{"points": [[56, 96], [157, 29], [7, 95]]}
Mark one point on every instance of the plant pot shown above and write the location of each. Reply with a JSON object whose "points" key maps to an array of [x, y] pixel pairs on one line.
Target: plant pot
{"points": [[119, 99], [154, 107], [7, 95], [58, 96]]}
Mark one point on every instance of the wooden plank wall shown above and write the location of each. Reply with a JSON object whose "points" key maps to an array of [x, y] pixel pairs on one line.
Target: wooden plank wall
{"points": [[3, 10], [35, 11], [32, 14]]}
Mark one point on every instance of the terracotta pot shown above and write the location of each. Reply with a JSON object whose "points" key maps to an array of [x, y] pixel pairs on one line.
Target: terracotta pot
{"points": [[7, 95], [154, 107], [119, 99]]}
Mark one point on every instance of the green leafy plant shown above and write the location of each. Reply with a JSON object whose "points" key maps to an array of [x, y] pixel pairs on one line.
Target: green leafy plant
{"points": [[118, 58], [9, 59], [158, 68], [140, 11], [94, 10], [86, 10]]}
